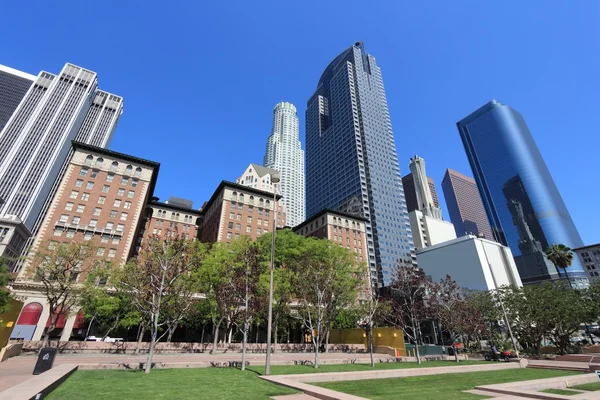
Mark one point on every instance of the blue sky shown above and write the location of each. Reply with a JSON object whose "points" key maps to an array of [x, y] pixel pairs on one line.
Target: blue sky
{"points": [[200, 79]]}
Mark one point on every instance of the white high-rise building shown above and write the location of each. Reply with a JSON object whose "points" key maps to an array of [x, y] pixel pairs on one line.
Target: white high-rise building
{"points": [[35, 145], [428, 227], [285, 155]]}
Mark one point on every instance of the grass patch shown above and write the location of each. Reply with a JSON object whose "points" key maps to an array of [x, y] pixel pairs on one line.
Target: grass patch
{"points": [[564, 392], [196, 383], [452, 386], [593, 386], [309, 369]]}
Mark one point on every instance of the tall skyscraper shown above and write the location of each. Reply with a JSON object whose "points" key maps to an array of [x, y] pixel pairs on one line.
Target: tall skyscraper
{"points": [[14, 84], [36, 142], [351, 160], [285, 155], [411, 196], [423, 194], [523, 204], [465, 206]]}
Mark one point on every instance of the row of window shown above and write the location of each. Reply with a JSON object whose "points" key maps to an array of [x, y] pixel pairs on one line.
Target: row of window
{"points": [[89, 160], [105, 189], [249, 219], [241, 197], [76, 220], [158, 232], [109, 177], [70, 233], [240, 206], [188, 219], [238, 227]]}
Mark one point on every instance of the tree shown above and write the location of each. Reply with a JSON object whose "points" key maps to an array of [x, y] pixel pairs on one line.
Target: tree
{"points": [[484, 303], [408, 302], [562, 258], [155, 277], [58, 267], [5, 295], [288, 252], [324, 281]]}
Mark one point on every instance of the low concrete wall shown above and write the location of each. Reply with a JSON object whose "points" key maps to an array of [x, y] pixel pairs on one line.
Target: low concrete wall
{"points": [[175, 347], [11, 350]]}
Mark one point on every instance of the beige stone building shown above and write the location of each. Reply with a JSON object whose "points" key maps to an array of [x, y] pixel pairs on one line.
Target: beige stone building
{"points": [[163, 218], [102, 198]]}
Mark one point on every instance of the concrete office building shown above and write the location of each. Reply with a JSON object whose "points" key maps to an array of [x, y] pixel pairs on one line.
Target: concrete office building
{"points": [[411, 196], [465, 206], [101, 198], [589, 256], [351, 160], [35, 144], [523, 204], [474, 263], [284, 154], [14, 85], [235, 210]]}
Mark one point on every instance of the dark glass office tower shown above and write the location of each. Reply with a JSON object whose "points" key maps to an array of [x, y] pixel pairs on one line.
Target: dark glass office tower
{"points": [[351, 160], [524, 206]]}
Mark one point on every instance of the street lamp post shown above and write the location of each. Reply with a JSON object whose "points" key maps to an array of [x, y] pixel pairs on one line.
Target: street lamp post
{"points": [[274, 180]]}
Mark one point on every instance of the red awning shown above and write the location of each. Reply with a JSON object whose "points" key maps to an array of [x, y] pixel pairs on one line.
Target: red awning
{"points": [[62, 319], [30, 315], [79, 321]]}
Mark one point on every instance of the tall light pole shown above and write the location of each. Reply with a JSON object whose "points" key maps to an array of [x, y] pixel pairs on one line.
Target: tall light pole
{"points": [[274, 180]]}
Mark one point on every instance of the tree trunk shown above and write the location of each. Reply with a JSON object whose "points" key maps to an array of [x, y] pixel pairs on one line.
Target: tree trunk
{"points": [[202, 336], [417, 352], [327, 342], [154, 321], [244, 345], [110, 329], [256, 339], [141, 331], [229, 334], [87, 332], [455, 352], [317, 342], [567, 276], [216, 335], [275, 336], [171, 332], [370, 333]]}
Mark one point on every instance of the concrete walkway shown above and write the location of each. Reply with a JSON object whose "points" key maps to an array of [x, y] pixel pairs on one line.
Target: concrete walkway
{"points": [[18, 369]]}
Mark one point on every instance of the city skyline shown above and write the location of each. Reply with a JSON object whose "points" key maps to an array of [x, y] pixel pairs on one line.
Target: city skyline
{"points": [[415, 84]]}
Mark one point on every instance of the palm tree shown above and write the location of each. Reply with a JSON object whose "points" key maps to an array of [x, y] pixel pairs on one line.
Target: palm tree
{"points": [[562, 257]]}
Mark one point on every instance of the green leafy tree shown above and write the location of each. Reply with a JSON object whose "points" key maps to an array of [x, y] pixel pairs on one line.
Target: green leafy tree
{"points": [[5, 295], [154, 278], [325, 281], [58, 267], [562, 258]]}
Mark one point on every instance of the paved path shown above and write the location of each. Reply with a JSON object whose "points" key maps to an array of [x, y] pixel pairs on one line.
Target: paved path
{"points": [[18, 369]]}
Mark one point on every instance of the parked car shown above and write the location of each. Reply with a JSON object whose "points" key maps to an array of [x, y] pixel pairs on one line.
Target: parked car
{"points": [[113, 339], [93, 339], [108, 339]]}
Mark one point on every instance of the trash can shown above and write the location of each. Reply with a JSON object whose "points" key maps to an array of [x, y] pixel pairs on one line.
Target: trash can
{"points": [[45, 360]]}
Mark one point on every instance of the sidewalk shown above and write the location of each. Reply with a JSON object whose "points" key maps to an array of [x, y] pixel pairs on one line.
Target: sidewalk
{"points": [[18, 369]]}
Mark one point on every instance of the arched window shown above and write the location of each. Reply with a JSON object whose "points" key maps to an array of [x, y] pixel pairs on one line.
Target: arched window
{"points": [[234, 195], [138, 171], [128, 170], [261, 202], [268, 202], [99, 162], [114, 166], [88, 160], [252, 199]]}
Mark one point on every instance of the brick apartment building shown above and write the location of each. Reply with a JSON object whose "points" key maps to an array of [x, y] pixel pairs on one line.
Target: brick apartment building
{"points": [[164, 217], [235, 210], [102, 199]]}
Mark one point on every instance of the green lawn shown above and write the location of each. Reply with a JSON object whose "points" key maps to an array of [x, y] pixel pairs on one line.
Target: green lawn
{"points": [[563, 392], [588, 386], [196, 383], [449, 386], [308, 369]]}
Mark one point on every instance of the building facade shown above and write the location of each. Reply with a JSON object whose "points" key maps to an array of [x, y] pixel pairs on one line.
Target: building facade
{"points": [[235, 210], [523, 204], [465, 206], [428, 231], [259, 177], [474, 263], [284, 154], [589, 256], [35, 143], [165, 218], [101, 199], [14, 85], [411, 196], [351, 160]]}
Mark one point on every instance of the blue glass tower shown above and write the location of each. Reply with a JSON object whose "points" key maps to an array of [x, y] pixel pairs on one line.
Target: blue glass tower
{"points": [[351, 160], [522, 202]]}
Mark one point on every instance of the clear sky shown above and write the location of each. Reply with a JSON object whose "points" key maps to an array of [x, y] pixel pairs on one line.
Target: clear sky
{"points": [[200, 78]]}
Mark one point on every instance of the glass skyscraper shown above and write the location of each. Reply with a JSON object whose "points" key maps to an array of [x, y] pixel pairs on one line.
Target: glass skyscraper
{"points": [[523, 204], [351, 160]]}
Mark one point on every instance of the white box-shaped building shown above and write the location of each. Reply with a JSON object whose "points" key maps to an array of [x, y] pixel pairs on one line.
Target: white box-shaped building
{"points": [[474, 263]]}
